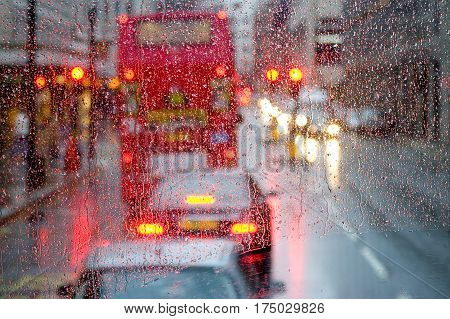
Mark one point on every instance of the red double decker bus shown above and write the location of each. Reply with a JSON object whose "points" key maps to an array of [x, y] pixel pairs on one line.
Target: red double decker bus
{"points": [[178, 76]]}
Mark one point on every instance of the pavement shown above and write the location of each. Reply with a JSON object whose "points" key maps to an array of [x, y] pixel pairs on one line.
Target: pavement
{"points": [[19, 198], [367, 219]]}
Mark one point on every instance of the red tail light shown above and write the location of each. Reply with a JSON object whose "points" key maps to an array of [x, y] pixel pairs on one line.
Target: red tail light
{"points": [[127, 157], [221, 71]]}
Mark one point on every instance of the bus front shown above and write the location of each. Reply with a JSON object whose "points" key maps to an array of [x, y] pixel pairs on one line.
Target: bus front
{"points": [[177, 73]]}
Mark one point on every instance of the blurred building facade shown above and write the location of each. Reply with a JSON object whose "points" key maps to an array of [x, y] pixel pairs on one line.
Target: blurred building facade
{"points": [[396, 58], [62, 42], [303, 33]]}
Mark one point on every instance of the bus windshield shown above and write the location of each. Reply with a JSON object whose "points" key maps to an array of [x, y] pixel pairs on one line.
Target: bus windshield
{"points": [[174, 32]]}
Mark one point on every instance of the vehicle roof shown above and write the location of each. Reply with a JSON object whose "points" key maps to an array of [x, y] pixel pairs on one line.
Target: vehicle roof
{"points": [[212, 253], [230, 190], [173, 14]]}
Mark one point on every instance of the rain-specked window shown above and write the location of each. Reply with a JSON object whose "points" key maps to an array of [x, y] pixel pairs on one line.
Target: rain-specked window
{"points": [[218, 149]]}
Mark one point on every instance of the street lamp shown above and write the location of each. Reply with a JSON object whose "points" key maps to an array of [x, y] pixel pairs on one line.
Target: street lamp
{"points": [[35, 164], [295, 80], [92, 128]]}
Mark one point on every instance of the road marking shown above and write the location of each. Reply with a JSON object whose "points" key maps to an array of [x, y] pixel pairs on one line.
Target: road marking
{"points": [[377, 266]]}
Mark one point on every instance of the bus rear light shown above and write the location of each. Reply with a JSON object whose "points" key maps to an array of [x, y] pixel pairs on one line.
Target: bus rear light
{"points": [[222, 15], [150, 229], [229, 153], [127, 158], [221, 71], [243, 228], [123, 18], [128, 74]]}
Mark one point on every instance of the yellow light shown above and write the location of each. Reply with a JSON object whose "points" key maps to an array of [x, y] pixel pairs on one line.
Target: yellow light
{"points": [[295, 74], [221, 71], [222, 15], [40, 82], [128, 74], [301, 120], [272, 75], [199, 224], [77, 73], [150, 229], [245, 96], [123, 18], [114, 83], [243, 228], [230, 153], [333, 129], [310, 149], [200, 199]]}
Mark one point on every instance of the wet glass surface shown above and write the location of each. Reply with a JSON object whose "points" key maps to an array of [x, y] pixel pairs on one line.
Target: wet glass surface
{"points": [[236, 145]]}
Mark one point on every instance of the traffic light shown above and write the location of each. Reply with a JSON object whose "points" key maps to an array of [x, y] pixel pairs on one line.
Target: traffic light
{"points": [[272, 75], [295, 77], [77, 73]]}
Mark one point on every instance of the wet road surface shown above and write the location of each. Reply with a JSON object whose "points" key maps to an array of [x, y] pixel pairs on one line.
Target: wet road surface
{"points": [[364, 220]]}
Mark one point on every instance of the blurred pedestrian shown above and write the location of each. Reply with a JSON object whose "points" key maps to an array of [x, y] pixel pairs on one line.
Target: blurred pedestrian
{"points": [[3, 155], [21, 130]]}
